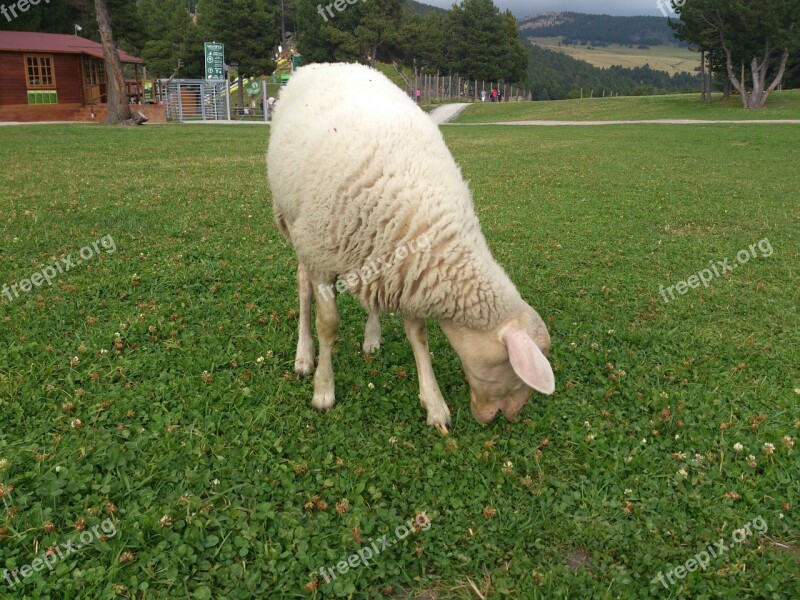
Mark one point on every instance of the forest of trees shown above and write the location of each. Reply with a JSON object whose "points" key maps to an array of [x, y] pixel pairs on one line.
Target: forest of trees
{"points": [[600, 30], [474, 39], [555, 76]]}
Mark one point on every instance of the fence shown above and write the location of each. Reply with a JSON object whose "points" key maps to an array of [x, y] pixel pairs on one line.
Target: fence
{"points": [[453, 88], [205, 100]]}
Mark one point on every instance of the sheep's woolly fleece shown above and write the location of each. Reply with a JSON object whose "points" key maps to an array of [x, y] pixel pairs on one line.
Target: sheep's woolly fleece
{"points": [[357, 171]]}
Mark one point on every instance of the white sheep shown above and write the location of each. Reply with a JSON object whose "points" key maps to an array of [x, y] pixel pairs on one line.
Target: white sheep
{"points": [[357, 172]]}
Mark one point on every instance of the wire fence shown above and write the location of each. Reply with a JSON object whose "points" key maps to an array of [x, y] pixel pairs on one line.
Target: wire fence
{"points": [[203, 100], [432, 89]]}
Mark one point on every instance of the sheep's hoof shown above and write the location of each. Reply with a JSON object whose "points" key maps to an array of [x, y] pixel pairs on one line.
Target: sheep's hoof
{"points": [[303, 367], [371, 345], [323, 401], [444, 429]]}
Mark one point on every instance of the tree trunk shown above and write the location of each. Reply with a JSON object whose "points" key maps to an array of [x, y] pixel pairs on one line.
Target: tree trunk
{"points": [[702, 75], [117, 101], [757, 97], [726, 90], [240, 81]]}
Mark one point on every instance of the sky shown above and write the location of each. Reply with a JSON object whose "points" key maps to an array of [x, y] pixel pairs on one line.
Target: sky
{"points": [[523, 8]]}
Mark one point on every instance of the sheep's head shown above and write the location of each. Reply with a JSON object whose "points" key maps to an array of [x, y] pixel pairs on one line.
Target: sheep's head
{"points": [[505, 364]]}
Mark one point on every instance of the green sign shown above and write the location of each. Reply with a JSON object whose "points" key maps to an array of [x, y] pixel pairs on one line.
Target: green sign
{"points": [[149, 90], [253, 88], [215, 60]]}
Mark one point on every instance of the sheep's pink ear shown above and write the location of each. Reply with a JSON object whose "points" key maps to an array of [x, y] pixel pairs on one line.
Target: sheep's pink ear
{"points": [[528, 362]]}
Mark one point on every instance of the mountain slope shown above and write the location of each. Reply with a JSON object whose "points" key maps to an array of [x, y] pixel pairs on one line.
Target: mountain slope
{"points": [[599, 29], [555, 76]]}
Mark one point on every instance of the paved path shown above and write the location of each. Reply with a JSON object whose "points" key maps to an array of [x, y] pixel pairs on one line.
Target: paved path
{"points": [[445, 112], [641, 122]]}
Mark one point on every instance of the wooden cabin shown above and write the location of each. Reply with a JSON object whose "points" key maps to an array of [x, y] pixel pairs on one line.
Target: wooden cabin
{"points": [[55, 77]]}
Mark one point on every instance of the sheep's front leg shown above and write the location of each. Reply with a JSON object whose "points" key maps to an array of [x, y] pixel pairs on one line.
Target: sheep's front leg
{"points": [[372, 333], [429, 394], [304, 358], [327, 326]]}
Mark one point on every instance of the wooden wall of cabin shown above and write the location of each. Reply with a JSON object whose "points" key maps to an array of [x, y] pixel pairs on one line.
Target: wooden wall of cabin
{"points": [[67, 69]]}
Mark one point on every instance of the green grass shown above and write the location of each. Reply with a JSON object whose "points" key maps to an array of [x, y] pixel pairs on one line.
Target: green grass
{"points": [[670, 58], [780, 105], [181, 419]]}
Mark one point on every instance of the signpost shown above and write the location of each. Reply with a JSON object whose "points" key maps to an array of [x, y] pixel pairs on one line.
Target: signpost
{"points": [[215, 60], [148, 87]]}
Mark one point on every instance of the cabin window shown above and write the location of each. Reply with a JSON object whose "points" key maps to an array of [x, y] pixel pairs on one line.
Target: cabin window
{"points": [[39, 71], [93, 71]]}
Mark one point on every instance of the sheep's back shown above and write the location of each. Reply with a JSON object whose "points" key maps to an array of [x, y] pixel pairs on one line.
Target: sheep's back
{"points": [[357, 170]]}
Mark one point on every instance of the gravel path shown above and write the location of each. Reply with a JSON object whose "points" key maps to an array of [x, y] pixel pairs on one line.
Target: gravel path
{"points": [[446, 112]]}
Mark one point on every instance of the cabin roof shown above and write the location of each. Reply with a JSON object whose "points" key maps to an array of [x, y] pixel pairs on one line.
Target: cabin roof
{"points": [[30, 41]]}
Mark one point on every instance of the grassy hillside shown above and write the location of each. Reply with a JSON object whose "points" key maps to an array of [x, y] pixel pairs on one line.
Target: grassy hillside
{"points": [[781, 105], [599, 29], [151, 387], [664, 57], [555, 76]]}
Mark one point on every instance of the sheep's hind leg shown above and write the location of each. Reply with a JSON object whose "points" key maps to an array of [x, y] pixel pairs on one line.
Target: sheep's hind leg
{"points": [[304, 358], [327, 326], [372, 333], [429, 393]]}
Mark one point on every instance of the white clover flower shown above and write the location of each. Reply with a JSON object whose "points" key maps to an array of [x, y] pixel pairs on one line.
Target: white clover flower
{"points": [[628, 491], [215, 482], [769, 448], [260, 360], [3, 463], [738, 447], [788, 441], [683, 473], [371, 385]]}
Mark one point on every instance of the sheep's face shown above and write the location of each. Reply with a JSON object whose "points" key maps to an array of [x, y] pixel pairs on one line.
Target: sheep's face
{"points": [[504, 365]]}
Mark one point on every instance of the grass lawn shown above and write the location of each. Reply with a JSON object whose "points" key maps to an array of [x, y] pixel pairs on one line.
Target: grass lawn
{"points": [[780, 105], [669, 58], [152, 385]]}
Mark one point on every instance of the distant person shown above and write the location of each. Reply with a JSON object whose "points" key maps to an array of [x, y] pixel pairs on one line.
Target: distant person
{"points": [[499, 96], [483, 95], [494, 95], [419, 93]]}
